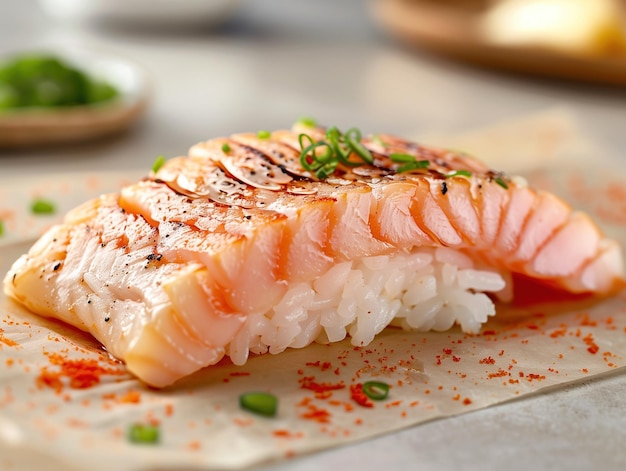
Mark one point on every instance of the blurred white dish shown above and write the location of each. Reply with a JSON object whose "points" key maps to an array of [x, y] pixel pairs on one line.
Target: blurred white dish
{"points": [[141, 11], [29, 127]]}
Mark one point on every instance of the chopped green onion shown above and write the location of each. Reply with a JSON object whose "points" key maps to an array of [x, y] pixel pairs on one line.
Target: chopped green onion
{"points": [[337, 148], [402, 158], [225, 148], [409, 161], [158, 163], [456, 173], [263, 134], [259, 403], [1, 228], [41, 206], [144, 434], [418, 164], [307, 122], [501, 182], [353, 139], [376, 390]]}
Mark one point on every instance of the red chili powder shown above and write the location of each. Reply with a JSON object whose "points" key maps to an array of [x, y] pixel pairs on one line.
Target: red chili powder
{"points": [[6, 341], [308, 382], [358, 396], [316, 414], [81, 373]]}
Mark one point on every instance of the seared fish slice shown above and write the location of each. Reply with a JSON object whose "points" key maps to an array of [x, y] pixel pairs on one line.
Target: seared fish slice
{"points": [[238, 248]]}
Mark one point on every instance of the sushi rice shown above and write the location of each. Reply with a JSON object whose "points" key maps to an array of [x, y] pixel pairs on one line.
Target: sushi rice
{"points": [[425, 289]]}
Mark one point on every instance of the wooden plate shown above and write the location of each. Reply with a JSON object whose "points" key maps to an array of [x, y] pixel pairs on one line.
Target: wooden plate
{"points": [[453, 28], [35, 127]]}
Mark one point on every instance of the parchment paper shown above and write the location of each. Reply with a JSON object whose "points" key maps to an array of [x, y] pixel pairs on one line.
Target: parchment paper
{"points": [[432, 375]]}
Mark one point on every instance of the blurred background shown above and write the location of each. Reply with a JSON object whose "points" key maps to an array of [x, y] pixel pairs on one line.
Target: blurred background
{"points": [[410, 67], [521, 74]]}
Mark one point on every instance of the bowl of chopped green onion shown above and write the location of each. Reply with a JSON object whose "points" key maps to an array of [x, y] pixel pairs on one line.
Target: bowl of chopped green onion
{"points": [[70, 96]]}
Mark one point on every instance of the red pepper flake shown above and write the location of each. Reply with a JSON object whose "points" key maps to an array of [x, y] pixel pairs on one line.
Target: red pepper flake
{"points": [[283, 433], [50, 379], [300, 371], [587, 322], [6, 341], [489, 332], [457, 397], [131, 397], [513, 381], [358, 421], [82, 373], [447, 351], [467, 401], [323, 394], [456, 359], [487, 361], [169, 410], [592, 347], [532, 327], [316, 414], [358, 396], [308, 382], [533, 376], [500, 373], [501, 353], [393, 404], [585, 370], [559, 333]]}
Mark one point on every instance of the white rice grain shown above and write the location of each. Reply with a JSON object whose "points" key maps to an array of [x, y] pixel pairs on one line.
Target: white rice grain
{"points": [[426, 289]]}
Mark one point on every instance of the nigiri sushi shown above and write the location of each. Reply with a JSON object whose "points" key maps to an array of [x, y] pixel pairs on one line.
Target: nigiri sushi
{"points": [[255, 243]]}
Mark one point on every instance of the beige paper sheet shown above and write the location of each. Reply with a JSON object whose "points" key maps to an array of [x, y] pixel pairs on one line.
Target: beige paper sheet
{"points": [[432, 375]]}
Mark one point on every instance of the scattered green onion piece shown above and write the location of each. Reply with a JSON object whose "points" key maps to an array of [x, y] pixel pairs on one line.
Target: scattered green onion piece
{"points": [[261, 403], [1, 228], [307, 122], [456, 173], [376, 390], [225, 148], [41, 206], [416, 165], [353, 139], [402, 158], [158, 163], [501, 182], [263, 134], [144, 434], [338, 149], [409, 161]]}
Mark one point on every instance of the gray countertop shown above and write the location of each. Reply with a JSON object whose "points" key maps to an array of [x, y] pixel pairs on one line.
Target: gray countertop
{"points": [[276, 61]]}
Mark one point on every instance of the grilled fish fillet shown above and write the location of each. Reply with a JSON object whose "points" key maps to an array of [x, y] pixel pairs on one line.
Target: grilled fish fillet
{"points": [[171, 273]]}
